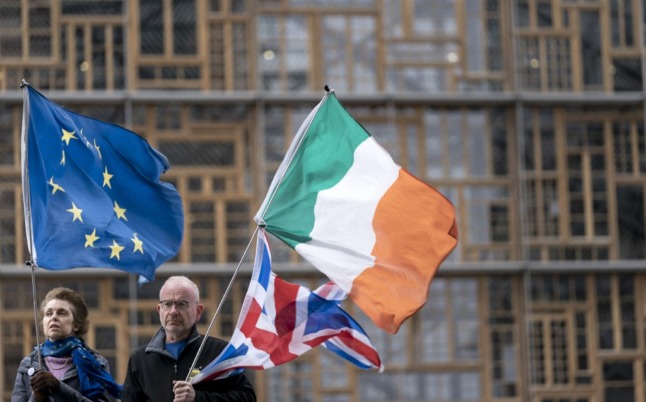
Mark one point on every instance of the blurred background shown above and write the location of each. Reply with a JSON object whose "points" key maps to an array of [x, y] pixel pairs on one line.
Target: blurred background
{"points": [[527, 114]]}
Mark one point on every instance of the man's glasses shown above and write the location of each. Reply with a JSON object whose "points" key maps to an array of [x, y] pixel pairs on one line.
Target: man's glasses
{"points": [[180, 305]]}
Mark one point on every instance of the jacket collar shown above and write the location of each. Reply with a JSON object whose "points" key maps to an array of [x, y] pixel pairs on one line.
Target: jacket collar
{"points": [[158, 341]]}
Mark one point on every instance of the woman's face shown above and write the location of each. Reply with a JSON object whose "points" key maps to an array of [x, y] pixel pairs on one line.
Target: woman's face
{"points": [[58, 320]]}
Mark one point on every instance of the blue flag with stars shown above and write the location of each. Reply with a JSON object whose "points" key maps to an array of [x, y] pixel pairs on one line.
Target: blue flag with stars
{"points": [[92, 193]]}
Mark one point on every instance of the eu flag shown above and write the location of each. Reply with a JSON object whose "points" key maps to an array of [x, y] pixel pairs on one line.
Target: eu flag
{"points": [[92, 193]]}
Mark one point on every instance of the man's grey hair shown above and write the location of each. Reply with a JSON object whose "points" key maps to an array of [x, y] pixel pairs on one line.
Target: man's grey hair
{"points": [[184, 281]]}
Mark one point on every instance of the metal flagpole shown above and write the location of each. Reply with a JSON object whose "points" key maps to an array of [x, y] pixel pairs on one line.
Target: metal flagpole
{"points": [[274, 185], [34, 267], [27, 207], [224, 296]]}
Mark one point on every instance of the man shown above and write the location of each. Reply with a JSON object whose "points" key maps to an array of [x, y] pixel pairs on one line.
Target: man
{"points": [[157, 372]]}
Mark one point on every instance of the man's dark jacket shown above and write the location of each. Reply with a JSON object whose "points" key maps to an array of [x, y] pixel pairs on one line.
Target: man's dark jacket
{"points": [[152, 370]]}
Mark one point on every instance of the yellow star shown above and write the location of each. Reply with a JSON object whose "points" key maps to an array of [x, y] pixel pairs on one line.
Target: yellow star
{"points": [[91, 238], [76, 212], [139, 245], [67, 136], [63, 159], [121, 213], [55, 186], [106, 178], [98, 149], [116, 249]]}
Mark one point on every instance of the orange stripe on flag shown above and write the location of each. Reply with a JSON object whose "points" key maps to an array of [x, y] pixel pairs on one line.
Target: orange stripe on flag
{"points": [[415, 231]]}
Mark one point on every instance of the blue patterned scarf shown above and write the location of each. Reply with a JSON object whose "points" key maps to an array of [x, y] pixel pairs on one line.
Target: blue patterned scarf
{"points": [[94, 380]]}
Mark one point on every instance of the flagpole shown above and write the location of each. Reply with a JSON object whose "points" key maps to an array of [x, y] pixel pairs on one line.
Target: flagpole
{"points": [[263, 208], [34, 298], [224, 296], [261, 213], [27, 212]]}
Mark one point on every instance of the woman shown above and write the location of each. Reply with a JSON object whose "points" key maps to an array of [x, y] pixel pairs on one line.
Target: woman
{"points": [[71, 371]]}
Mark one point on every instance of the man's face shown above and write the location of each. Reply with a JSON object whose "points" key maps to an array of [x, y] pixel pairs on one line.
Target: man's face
{"points": [[178, 311]]}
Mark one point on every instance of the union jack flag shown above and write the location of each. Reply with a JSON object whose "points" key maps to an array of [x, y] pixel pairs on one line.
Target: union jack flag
{"points": [[280, 321]]}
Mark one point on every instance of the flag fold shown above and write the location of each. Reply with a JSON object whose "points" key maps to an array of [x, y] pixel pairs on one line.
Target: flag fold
{"points": [[92, 193], [280, 321], [374, 229]]}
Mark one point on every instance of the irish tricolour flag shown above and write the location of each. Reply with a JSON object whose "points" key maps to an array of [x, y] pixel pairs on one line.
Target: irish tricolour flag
{"points": [[371, 227]]}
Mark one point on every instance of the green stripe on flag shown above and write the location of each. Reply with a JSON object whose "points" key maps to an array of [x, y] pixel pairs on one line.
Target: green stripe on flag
{"points": [[323, 158]]}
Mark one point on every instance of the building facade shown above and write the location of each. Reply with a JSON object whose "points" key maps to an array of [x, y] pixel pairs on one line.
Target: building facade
{"points": [[527, 114]]}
